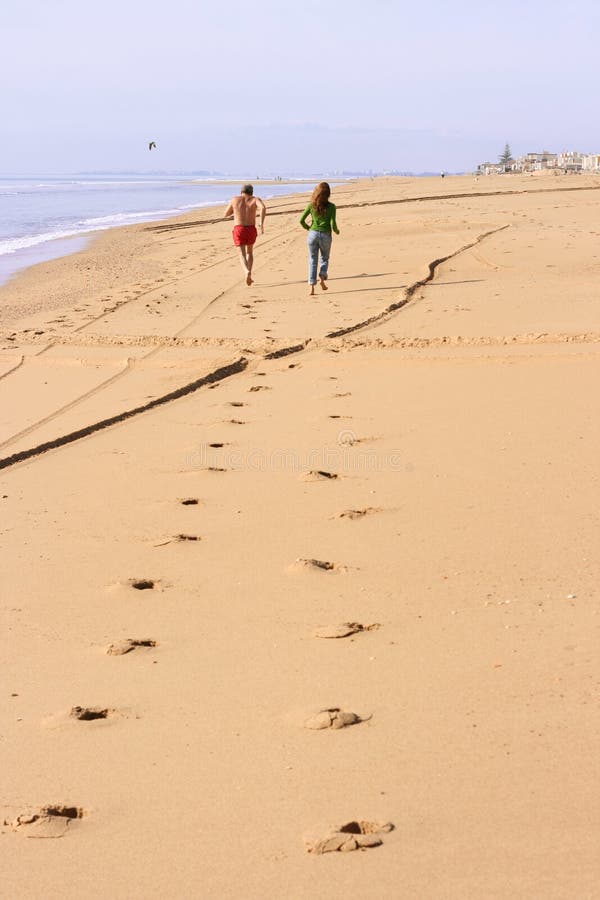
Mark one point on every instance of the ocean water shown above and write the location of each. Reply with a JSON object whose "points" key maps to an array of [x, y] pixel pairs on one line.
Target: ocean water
{"points": [[43, 217]]}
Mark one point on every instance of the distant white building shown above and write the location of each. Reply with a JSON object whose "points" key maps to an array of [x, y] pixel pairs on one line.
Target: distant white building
{"points": [[591, 162], [490, 168], [531, 162], [567, 161], [570, 161], [535, 162], [549, 160]]}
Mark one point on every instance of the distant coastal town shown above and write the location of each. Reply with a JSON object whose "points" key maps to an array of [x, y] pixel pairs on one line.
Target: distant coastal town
{"points": [[569, 161]]}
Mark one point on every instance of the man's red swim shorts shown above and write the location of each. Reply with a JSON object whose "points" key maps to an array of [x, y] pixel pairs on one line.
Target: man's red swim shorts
{"points": [[244, 235]]}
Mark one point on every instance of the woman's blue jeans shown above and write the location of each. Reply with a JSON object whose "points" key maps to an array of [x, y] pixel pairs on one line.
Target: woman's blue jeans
{"points": [[318, 242]]}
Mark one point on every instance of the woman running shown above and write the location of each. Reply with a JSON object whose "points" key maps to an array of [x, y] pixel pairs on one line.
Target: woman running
{"points": [[322, 215]]}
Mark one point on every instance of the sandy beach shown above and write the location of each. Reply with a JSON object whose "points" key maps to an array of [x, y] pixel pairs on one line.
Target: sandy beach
{"points": [[289, 575]]}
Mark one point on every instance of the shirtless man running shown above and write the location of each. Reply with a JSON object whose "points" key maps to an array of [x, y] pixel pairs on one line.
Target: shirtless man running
{"points": [[244, 210]]}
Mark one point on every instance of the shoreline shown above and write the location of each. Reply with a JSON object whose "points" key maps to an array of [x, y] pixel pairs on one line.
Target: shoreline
{"points": [[11, 264], [24, 278], [40, 253], [63, 281]]}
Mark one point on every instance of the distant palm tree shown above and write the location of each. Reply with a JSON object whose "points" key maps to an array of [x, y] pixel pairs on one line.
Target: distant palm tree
{"points": [[505, 158]]}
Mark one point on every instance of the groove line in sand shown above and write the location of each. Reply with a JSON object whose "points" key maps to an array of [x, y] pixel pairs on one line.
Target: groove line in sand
{"points": [[211, 378], [325, 343], [257, 346], [157, 347], [413, 288]]}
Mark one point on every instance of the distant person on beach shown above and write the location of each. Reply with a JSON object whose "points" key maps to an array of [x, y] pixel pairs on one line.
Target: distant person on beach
{"points": [[244, 209], [322, 223]]}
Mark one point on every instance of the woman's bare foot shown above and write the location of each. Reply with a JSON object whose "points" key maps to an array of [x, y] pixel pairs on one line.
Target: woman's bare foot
{"points": [[312, 291], [249, 279], [323, 285]]}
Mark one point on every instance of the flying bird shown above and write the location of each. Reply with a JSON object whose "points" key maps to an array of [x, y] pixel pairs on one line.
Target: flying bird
{"points": [[152, 145]]}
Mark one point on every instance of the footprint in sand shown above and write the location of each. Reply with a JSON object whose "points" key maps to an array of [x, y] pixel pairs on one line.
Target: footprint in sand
{"points": [[318, 475], [179, 538], [333, 718], [47, 822], [236, 403], [189, 501], [358, 513], [344, 629], [348, 439], [120, 648], [259, 387], [128, 585], [90, 713], [356, 835], [144, 584], [318, 565]]}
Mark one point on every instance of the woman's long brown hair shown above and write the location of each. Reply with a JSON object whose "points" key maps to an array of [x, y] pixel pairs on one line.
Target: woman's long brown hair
{"points": [[320, 197]]}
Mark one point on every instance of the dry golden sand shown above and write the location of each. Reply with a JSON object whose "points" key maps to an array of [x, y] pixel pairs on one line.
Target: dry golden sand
{"points": [[183, 738]]}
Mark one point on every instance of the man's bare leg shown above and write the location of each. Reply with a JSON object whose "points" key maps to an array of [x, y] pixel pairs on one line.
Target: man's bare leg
{"points": [[243, 259], [250, 259]]}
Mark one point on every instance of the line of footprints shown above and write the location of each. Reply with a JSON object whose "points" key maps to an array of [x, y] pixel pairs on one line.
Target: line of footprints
{"points": [[357, 834], [53, 821]]}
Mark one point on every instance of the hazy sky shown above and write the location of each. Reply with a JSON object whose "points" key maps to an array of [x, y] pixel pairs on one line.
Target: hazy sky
{"points": [[310, 86]]}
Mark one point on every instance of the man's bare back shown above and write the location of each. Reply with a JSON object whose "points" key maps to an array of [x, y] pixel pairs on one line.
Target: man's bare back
{"points": [[244, 209]]}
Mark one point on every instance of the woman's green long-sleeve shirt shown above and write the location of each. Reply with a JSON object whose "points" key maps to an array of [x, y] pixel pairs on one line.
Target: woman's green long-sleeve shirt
{"points": [[320, 222]]}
